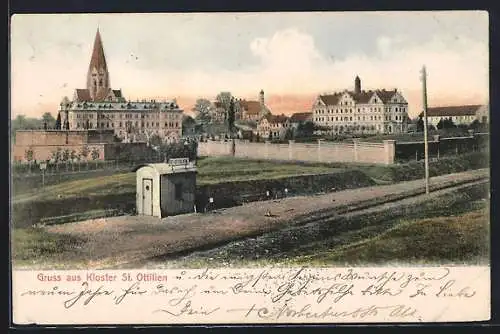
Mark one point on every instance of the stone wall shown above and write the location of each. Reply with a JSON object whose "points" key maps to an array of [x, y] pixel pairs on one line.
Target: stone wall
{"points": [[45, 152], [378, 153], [107, 151], [61, 137]]}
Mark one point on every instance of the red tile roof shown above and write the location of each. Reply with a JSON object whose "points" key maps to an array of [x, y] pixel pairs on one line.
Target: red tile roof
{"points": [[386, 95], [361, 97], [101, 95], [82, 95], [330, 99], [251, 107], [465, 110], [301, 117], [275, 119]]}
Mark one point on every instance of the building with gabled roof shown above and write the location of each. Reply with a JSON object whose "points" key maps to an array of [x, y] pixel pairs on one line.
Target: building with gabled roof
{"points": [[100, 107], [254, 110], [461, 114], [273, 126], [360, 111]]}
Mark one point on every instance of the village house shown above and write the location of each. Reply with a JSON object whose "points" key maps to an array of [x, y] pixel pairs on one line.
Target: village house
{"points": [[460, 115], [273, 127], [359, 111]]}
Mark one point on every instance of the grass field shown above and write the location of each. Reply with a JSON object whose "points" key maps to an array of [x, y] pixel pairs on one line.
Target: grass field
{"points": [[210, 170], [462, 238], [224, 169], [456, 234]]}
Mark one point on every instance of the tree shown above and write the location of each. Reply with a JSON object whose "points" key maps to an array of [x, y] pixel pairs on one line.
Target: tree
{"points": [[155, 140], [188, 125], [225, 99], [84, 153], [203, 108], [288, 135], [58, 121], [66, 154], [95, 154], [446, 123], [420, 124], [57, 155], [28, 154], [49, 120], [230, 117], [305, 129]]}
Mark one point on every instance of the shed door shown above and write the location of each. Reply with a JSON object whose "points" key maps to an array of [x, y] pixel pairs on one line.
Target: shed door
{"points": [[147, 197]]}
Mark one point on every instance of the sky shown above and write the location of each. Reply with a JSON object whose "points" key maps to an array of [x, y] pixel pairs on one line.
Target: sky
{"points": [[293, 57]]}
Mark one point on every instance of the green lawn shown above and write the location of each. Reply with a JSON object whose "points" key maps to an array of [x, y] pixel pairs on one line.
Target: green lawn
{"points": [[210, 170], [225, 169], [462, 238]]}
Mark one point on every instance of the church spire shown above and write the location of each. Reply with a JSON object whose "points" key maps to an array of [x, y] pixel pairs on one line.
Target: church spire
{"points": [[98, 76], [98, 59]]}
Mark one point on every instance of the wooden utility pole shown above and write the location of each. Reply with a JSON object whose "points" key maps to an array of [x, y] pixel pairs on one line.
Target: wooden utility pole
{"points": [[426, 144]]}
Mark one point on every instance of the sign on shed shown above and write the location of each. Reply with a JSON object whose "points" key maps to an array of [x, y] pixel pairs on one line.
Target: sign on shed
{"points": [[166, 189]]}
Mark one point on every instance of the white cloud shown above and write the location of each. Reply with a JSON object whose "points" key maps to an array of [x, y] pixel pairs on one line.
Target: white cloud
{"points": [[289, 62]]}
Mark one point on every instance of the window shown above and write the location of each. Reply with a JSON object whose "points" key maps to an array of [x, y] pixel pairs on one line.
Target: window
{"points": [[178, 191]]}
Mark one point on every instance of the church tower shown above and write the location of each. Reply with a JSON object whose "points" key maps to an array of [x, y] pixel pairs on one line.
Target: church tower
{"points": [[357, 85], [261, 97], [98, 76]]}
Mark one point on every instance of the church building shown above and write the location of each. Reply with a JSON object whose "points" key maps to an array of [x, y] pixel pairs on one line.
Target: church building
{"points": [[98, 106]]}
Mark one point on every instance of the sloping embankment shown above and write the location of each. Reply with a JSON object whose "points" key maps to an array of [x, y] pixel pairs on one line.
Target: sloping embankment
{"points": [[312, 234]]}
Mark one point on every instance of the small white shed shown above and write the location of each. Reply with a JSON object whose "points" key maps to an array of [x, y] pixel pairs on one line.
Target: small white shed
{"points": [[166, 189]]}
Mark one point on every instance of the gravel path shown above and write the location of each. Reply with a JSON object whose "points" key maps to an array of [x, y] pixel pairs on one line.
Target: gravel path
{"points": [[115, 241]]}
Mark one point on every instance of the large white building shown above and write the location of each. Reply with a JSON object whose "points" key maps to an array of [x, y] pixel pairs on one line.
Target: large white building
{"points": [[359, 111], [99, 107]]}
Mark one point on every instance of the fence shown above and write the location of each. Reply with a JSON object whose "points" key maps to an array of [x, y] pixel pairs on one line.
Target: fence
{"points": [[378, 153], [439, 147]]}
